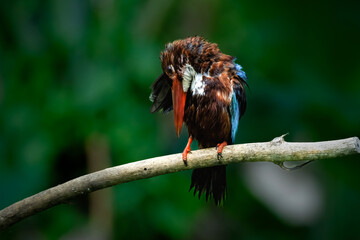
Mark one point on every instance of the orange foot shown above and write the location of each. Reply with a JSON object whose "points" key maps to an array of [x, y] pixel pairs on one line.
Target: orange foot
{"points": [[187, 150], [220, 148]]}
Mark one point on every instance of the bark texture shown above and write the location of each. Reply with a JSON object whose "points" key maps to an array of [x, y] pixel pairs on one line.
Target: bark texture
{"points": [[277, 151]]}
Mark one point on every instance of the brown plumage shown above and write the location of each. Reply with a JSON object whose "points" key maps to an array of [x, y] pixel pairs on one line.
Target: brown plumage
{"points": [[206, 89]]}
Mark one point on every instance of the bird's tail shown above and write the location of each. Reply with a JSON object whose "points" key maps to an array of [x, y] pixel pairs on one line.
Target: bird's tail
{"points": [[211, 181]]}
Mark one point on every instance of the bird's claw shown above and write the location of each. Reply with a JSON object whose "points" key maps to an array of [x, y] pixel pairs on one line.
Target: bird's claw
{"points": [[220, 147], [186, 151], [184, 156]]}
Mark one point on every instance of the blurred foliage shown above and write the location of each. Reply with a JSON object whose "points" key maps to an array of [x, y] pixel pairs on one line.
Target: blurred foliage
{"points": [[71, 69]]}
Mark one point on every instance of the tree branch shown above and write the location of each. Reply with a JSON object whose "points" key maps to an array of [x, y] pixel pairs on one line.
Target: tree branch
{"points": [[276, 151]]}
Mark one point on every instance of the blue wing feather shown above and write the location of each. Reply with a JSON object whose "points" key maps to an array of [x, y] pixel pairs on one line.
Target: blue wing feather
{"points": [[238, 101], [240, 72], [235, 116]]}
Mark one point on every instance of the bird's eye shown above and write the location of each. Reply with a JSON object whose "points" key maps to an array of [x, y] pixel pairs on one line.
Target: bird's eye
{"points": [[170, 70]]}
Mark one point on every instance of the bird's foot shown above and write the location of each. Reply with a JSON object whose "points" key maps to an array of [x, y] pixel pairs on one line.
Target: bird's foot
{"points": [[220, 148], [186, 151], [184, 155]]}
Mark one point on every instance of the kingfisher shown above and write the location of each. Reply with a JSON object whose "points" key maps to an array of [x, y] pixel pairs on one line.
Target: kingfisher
{"points": [[206, 89]]}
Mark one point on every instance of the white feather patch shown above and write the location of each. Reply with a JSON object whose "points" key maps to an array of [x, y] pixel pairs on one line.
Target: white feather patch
{"points": [[198, 85], [188, 77]]}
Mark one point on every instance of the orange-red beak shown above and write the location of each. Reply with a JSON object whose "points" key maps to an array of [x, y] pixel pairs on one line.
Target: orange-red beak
{"points": [[179, 99]]}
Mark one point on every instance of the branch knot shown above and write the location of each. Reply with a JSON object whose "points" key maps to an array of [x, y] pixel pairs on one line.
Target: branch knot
{"points": [[278, 140]]}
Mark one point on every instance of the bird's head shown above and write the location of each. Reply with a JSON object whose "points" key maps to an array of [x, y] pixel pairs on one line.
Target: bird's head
{"points": [[176, 65]]}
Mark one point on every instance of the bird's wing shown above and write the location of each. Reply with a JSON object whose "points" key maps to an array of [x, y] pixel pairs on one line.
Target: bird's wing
{"points": [[238, 101], [161, 94]]}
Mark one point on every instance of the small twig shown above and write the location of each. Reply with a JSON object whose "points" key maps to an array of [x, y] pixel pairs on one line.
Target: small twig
{"points": [[275, 151], [282, 165]]}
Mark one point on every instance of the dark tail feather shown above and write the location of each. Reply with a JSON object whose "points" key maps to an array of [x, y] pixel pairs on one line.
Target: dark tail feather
{"points": [[211, 181]]}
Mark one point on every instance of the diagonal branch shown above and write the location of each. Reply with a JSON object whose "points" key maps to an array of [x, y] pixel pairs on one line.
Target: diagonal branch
{"points": [[276, 151]]}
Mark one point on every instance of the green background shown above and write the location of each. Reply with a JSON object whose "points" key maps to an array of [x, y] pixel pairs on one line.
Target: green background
{"points": [[74, 83]]}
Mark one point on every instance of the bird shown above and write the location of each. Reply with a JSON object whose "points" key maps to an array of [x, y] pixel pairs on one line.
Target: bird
{"points": [[206, 89]]}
